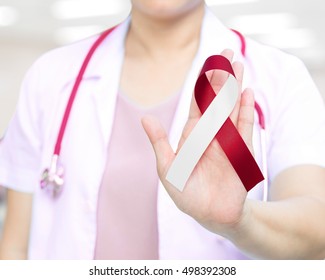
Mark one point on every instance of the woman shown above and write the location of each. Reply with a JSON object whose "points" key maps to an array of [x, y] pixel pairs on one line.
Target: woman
{"points": [[110, 207]]}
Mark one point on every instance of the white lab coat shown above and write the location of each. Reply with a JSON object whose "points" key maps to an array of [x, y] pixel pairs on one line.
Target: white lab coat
{"points": [[65, 228]]}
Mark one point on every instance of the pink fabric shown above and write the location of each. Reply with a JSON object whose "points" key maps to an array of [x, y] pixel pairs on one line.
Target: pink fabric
{"points": [[127, 203]]}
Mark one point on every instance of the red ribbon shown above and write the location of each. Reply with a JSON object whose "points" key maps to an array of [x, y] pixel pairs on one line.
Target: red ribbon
{"points": [[228, 137]]}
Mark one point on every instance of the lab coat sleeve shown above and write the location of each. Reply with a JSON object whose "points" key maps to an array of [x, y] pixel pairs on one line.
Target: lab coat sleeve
{"points": [[297, 125], [21, 145]]}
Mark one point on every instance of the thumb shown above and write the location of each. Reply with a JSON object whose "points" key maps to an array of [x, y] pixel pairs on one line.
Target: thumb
{"points": [[159, 141]]}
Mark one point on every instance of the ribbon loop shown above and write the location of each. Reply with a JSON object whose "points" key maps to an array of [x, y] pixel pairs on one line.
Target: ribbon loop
{"points": [[215, 123]]}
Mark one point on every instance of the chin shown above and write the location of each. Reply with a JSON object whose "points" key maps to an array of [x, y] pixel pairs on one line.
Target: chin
{"points": [[166, 9]]}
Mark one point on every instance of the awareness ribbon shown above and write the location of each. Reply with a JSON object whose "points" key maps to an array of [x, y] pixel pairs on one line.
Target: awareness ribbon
{"points": [[215, 123]]}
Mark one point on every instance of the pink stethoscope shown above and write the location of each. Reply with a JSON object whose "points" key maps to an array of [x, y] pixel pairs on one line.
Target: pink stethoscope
{"points": [[52, 178]]}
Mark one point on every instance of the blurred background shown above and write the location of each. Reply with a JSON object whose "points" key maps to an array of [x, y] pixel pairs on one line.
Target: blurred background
{"points": [[29, 28]]}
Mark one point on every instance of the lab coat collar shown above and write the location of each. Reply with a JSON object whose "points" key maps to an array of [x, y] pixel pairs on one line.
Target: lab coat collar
{"points": [[109, 53], [105, 67], [215, 37]]}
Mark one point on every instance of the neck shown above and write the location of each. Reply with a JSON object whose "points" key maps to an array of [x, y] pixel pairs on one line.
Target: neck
{"points": [[157, 38]]}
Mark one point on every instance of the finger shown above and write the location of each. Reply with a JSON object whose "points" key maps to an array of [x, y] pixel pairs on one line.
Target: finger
{"points": [[159, 141], [194, 109], [228, 53], [163, 151], [190, 124], [217, 79], [246, 117], [239, 71], [238, 68]]}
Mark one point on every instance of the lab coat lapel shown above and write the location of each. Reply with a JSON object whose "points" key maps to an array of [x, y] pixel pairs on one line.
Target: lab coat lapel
{"points": [[108, 64]]}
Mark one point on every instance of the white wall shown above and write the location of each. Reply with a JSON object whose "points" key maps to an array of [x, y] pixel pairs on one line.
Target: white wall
{"points": [[15, 59], [319, 78]]}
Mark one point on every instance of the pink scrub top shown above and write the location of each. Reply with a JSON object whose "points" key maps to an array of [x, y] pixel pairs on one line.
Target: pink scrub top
{"points": [[127, 225]]}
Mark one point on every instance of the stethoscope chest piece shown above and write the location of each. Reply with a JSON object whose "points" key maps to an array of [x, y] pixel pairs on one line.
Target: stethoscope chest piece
{"points": [[52, 178]]}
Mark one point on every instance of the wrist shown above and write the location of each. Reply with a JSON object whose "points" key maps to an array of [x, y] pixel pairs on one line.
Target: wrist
{"points": [[239, 231], [235, 230]]}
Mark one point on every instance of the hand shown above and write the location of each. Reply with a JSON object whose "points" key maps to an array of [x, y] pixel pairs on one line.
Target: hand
{"points": [[213, 194]]}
